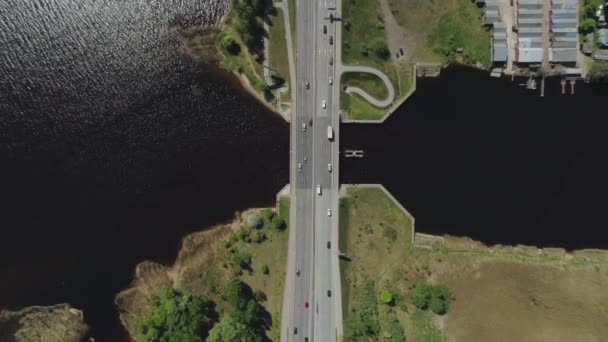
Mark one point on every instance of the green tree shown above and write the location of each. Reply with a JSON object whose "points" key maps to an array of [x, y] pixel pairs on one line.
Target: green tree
{"points": [[588, 25], [278, 223], [386, 297], [241, 259], [258, 236], [441, 298], [383, 52], [421, 296], [267, 214], [264, 269], [230, 329], [176, 317], [231, 45]]}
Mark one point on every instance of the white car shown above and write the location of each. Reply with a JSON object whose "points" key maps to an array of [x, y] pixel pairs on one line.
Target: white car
{"points": [[328, 212], [319, 189], [331, 80], [329, 167], [299, 167], [303, 126], [323, 104]]}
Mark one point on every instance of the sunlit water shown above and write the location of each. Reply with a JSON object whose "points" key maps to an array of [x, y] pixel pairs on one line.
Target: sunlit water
{"points": [[113, 145]]}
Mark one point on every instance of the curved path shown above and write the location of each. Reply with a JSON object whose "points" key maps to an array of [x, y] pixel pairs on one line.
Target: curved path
{"points": [[356, 90]]}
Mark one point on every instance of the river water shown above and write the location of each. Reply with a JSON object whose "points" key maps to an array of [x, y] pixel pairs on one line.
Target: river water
{"points": [[114, 145], [473, 156]]}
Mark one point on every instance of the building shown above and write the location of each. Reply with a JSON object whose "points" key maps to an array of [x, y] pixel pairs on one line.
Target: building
{"points": [[499, 43], [602, 37], [530, 31], [491, 14], [564, 32]]}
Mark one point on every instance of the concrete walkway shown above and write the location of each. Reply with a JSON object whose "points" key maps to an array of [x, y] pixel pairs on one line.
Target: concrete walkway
{"points": [[284, 6], [356, 90]]}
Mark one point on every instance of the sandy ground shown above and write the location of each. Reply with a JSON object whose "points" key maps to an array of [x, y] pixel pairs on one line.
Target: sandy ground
{"points": [[57, 323], [397, 37], [505, 301]]}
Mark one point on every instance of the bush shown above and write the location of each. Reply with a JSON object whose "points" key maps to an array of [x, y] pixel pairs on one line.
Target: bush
{"points": [[363, 49], [278, 223], [421, 296], [438, 297], [267, 214], [390, 233], [258, 236], [241, 259], [264, 269], [244, 234], [598, 71], [231, 45], [386, 297], [383, 52], [588, 25]]}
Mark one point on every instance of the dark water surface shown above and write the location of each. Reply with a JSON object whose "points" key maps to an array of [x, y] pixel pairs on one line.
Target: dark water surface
{"points": [[480, 157], [113, 146]]}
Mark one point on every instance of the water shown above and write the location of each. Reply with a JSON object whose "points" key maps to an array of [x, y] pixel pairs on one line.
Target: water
{"points": [[480, 157], [113, 145]]}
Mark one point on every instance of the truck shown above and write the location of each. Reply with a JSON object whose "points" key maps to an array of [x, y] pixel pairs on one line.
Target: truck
{"points": [[330, 133]]}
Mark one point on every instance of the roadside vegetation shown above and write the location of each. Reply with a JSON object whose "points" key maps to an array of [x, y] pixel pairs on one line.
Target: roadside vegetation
{"points": [[279, 59], [588, 19], [391, 290], [241, 45], [235, 296]]}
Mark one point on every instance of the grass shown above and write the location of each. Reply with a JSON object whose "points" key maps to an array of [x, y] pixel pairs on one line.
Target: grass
{"points": [[363, 216], [358, 108], [279, 59], [563, 283], [372, 84], [292, 22], [439, 27], [364, 26], [243, 63]]}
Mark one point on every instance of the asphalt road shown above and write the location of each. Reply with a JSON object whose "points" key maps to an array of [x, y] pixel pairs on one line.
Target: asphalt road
{"points": [[311, 148]]}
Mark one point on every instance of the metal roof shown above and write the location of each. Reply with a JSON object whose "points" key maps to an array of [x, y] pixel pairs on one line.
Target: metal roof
{"points": [[563, 55], [530, 55], [499, 52], [602, 36]]}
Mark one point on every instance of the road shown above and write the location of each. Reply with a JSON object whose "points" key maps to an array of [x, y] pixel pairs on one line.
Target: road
{"points": [[313, 243]]}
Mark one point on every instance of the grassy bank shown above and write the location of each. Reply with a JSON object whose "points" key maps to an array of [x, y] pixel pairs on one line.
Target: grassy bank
{"points": [[438, 28], [203, 284], [543, 294], [279, 59], [240, 44]]}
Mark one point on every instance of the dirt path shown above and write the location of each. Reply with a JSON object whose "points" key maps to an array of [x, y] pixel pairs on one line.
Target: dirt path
{"points": [[396, 35]]}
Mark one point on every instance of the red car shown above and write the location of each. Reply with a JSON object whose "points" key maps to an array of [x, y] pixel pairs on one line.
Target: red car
{"points": [[331, 40], [306, 305]]}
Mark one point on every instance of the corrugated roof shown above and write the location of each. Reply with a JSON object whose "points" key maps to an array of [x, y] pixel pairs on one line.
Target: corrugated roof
{"points": [[564, 29], [530, 55], [603, 36], [499, 53], [530, 30], [563, 55]]}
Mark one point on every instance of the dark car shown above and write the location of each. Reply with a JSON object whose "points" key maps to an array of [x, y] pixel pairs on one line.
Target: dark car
{"points": [[328, 293], [331, 61], [328, 244], [401, 51], [307, 85], [331, 40], [306, 305], [298, 273], [324, 28], [295, 331]]}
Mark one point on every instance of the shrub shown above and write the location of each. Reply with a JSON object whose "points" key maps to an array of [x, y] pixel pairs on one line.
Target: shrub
{"points": [[386, 297], [390, 233], [264, 269], [363, 49], [258, 236], [588, 25], [278, 223], [421, 296], [267, 214]]}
